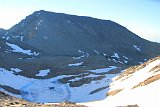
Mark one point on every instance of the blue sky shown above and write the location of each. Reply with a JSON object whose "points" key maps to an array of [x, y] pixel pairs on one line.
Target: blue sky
{"points": [[140, 16]]}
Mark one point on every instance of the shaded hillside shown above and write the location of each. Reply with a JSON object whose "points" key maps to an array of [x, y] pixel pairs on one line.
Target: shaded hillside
{"points": [[59, 34], [2, 32]]}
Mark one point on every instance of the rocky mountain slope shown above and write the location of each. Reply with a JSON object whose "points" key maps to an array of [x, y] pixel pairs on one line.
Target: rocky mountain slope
{"points": [[63, 57], [2, 32], [137, 85], [74, 39]]}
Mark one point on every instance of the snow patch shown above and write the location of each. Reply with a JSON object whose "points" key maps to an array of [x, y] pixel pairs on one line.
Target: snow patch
{"points": [[145, 59], [6, 33], [18, 49], [39, 22], [17, 70], [43, 73], [137, 47], [7, 38], [125, 57], [22, 38], [125, 61], [102, 70], [82, 56], [68, 21], [104, 54], [96, 52], [79, 57], [115, 55], [80, 51], [76, 64]]}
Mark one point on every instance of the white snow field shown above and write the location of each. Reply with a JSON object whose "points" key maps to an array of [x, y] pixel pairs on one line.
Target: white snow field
{"points": [[143, 96], [92, 94], [51, 90], [43, 73]]}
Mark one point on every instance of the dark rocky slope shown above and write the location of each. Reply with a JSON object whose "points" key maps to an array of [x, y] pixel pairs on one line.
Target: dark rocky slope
{"points": [[64, 39]]}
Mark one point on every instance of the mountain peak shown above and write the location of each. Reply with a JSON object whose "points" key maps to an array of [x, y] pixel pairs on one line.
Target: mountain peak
{"points": [[41, 12], [60, 34], [1, 29]]}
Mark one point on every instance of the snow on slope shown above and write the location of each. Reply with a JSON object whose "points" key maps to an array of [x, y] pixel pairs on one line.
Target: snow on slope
{"points": [[115, 55], [43, 72], [104, 69], [17, 70], [19, 49], [137, 47], [76, 64], [51, 90], [137, 85]]}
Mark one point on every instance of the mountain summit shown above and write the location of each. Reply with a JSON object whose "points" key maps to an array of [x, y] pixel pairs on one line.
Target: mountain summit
{"points": [[62, 34], [58, 34]]}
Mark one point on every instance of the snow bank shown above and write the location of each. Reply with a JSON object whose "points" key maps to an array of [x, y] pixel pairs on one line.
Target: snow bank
{"points": [[137, 47], [104, 69], [43, 73], [19, 49], [76, 64], [143, 96]]}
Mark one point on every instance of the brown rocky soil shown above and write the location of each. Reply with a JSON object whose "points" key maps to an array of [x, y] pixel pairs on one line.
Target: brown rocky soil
{"points": [[8, 101], [148, 81], [112, 93], [128, 72]]}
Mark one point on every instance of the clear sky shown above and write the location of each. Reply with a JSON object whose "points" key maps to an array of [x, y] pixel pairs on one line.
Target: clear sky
{"points": [[140, 16]]}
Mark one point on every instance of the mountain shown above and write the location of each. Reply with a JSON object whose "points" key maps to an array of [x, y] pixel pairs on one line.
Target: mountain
{"points": [[62, 35], [73, 58], [137, 85]]}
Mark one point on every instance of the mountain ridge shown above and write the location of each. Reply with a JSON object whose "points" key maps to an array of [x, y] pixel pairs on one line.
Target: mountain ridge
{"points": [[62, 26]]}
